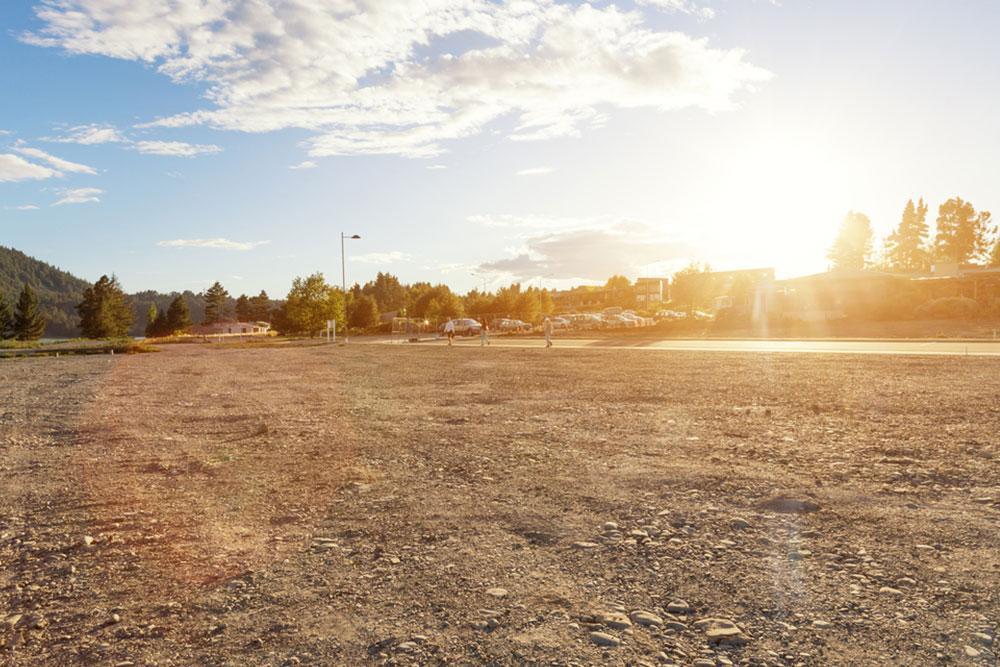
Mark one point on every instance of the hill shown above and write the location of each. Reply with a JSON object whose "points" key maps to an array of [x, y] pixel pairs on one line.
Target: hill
{"points": [[59, 292]]}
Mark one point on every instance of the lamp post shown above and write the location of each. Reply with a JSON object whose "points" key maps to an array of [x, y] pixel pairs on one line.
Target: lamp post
{"points": [[343, 276]]}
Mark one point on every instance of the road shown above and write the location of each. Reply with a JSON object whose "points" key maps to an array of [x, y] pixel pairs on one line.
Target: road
{"points": [[895, 347]]}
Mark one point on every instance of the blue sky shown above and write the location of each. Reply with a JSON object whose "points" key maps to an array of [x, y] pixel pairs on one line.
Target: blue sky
{"points": [[480, 141]]}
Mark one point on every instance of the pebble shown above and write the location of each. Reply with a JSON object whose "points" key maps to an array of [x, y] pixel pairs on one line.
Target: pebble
{"points": [[739, 524], [88, 541], [497, 592], [584, 546], [615, 620], [609, 526], [604, 639], [645, 618], [983, 638], [822, 625], [704, 662], [971, 652], [679, 607], [887, 590]]}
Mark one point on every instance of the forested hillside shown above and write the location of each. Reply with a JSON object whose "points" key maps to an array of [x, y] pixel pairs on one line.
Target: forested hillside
{"points": [[58, 291]]}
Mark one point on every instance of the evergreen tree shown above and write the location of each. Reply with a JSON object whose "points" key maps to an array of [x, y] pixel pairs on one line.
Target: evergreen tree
{"points": [[6, 319], [853, 246], [906, 247], [962, 234], [178, 318], [215, 303], [243, 309], [161, 327], [260, 307], [151, 321], [105, 311], [28, 322]]}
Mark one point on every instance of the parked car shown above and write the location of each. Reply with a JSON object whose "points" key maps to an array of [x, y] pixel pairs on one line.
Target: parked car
{"points": [[560, 323], [464, 327]]}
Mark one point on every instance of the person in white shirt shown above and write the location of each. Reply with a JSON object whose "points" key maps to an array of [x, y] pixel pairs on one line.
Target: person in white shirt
{"points": [[547, 327], [449, 331]]}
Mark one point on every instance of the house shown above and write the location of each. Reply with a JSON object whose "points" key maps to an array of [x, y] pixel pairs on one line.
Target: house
{"points": [[833, 294], [651, 291], [981, 283], [232, 328]]}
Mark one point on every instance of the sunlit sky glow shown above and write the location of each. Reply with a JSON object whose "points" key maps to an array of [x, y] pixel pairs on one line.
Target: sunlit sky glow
{"points": [[177, 143]]}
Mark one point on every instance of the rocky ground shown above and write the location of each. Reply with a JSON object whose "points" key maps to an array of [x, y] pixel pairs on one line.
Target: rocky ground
{"points": [[417, 504]]}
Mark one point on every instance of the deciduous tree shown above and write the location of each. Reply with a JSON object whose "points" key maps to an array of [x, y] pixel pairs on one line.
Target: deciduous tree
{"points": [[364, 312], [310, 303]]}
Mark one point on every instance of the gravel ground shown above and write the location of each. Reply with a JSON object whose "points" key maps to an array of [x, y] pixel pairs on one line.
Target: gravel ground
{"points": [[425, 505]]}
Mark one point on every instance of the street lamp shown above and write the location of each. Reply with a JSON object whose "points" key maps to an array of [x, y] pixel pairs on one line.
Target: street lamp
{"points": [[343, 276]]}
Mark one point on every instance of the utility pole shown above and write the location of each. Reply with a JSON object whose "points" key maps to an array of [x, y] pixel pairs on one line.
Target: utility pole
{"points": [[343, 276]]}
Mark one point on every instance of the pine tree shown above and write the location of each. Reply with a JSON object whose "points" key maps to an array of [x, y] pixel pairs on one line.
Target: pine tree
{"points": [[105, 311], [6, 319], [906, 247], [853, 247], [962, 234], [243, 309], [260, 307], [178, 318], [28, 322], [215, 303]]}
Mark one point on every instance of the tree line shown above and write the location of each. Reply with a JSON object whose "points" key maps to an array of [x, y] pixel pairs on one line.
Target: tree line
{"points": [[962, 235]]}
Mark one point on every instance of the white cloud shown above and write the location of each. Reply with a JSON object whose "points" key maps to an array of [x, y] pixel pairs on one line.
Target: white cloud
{"points": [[223, 244], [175, 148], [535, 171], [307, 164], [23, 207], [4, 133], [382, 257], [16, 168], [59, 164], [89, 135], [592, 253], [682, 6], [365, 76], [436, 167], [79, 196]]}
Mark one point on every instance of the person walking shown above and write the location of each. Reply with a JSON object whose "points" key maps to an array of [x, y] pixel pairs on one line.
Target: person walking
{"points": [[484, 335], [449, 331], [547, 327]]}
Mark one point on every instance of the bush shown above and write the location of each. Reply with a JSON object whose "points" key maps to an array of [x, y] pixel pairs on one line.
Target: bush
{"points": [[949, 308]]}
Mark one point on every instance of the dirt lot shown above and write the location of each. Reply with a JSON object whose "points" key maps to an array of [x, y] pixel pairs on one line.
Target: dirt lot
{"points": [[423, 505]]}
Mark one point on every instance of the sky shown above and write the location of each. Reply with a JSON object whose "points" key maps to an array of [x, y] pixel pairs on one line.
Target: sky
{"points": [[478, 142]]}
